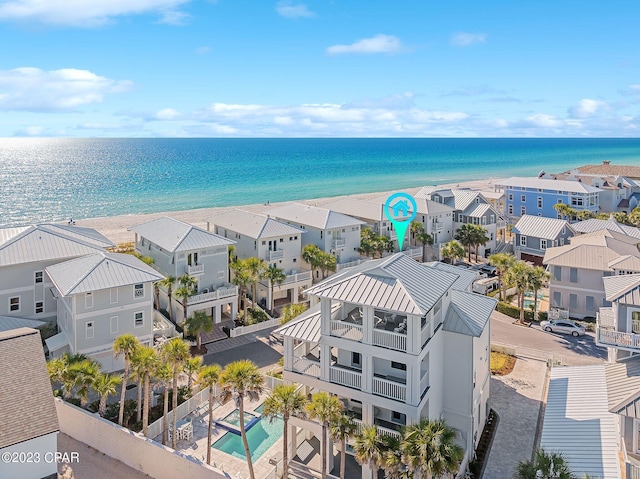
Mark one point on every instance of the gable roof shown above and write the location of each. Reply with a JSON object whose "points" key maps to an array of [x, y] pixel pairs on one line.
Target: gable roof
{"points": [[368, 210], [306, 326], [547, 184], [46, 242], [610, 224], [624, 285], [9, 322], [26, 398], [623, 386], [253, 225], [468, 313], [395, 283], [541, 227], [466, 277], [100, 271], [174, 235], [314, 216]]}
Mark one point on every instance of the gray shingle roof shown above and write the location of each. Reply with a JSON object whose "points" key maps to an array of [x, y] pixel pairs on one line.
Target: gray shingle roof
{"points": [[100, 271], [45, 242], [594, 224], [174, 236], [253, 225], [26, 398], [468, 313], [541, 227], [314, 216], [8, 322]]}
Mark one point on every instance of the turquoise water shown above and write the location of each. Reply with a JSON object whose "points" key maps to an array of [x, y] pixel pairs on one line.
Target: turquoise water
{"points": [[260, 438], [233, 418], [55, 179]]}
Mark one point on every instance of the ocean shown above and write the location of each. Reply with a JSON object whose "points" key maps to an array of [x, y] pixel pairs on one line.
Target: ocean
{"points": [[55, 179]]}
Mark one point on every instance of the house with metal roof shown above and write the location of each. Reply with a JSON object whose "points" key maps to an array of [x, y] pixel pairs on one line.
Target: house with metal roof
{"points": [[100, 297], [26, 251], [534, 234], [28, 415], [396, 341], [594, 224], [329, 230], [277, 243], [179, 248]]}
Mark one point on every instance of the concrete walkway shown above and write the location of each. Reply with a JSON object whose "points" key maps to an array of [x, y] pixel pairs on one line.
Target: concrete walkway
{"points": [[516, 398]]}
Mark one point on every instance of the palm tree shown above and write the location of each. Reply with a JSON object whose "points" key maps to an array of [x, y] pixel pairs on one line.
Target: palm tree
{"points": [[196, 324], [84, 373], [425, 239], [58, 369], [537, 278], [145, 362], [164, 374], [416, 228], [326, 409], [391, 461], [191, 367], [429, 449], [168, 283], [291, 311], [311, 254], [208, 377], [175, 352], [328, 262], [125, 345], [565, 210], [285, 401], [105, 385], [502, 262], [368, 447], [465, 235], [634, 216], [242, 279], [275, 276], [479, 236], [257, 268], [585, 215], [545, 465], [156, 295], [238, 380], [518, 276], [187, 289], [452, 251], [341, 430], [367, 239]]}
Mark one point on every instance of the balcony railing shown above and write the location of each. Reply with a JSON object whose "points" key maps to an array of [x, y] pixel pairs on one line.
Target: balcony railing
{"points": [[345, 377], [342, 329], [306, 366], [608, 337], [389, 339], [389, 389], [424, 383], [273, 255], [437, 225], [294, 278], [195, 269], [635, 326], [341, 266], [413, 252], [338, 242], [384, 431], [223, 292]]}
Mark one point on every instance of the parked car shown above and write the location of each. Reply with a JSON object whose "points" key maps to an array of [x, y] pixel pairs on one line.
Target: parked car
{"points": [[563, 326], [489, 270]]}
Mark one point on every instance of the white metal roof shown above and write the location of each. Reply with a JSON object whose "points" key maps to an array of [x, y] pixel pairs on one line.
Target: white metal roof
{"points": [[623, 386], [370, 211], [314, 216], [466, 277], [100, 271], [45, 242], [624, 285], [395, 283], [594, 224], [253, 225], [468, 313], [541, 227], [57, 342], [306, 326], [9, 322], [548, 184], [577, 421], [174, 235]]}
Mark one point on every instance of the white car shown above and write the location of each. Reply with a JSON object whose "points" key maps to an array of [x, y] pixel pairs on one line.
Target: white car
{"points": [[563, 326]]}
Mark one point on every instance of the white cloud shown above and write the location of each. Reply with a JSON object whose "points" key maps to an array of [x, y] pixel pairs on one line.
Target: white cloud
{"points": [[33, 89], [203, 50], [377, 44], [173, 17], [87, 13], [34, 131], [167, 114], [463, 39], [631, 90], [587, 108], [294, 10]]}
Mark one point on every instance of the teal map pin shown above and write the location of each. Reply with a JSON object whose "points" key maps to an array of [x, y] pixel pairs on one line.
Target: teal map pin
{"points": [[400, 208]]}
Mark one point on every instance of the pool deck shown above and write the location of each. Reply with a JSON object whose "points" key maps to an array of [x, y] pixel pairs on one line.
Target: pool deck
{"points": [[197, 447]]}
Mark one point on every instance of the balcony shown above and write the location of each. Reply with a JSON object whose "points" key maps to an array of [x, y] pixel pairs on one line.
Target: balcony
{"points": [[345, 377], [195, 269], [617, 339], [413, 252], [347, 330], [392, 388], [390, 339], [437, 225], [341, 266], [274, 255], [338, 242], [225, 291], [306, 366], [384, 431], [294, 278]]}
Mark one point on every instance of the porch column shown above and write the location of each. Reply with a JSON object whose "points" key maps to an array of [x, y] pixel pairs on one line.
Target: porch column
{"points": [[413, 384], [217, 314], [288, 353], [367, 372], [414, 334], [367, 324], [294, 295], [325, 362], [325, 316], [234, 308], [293, 442]]}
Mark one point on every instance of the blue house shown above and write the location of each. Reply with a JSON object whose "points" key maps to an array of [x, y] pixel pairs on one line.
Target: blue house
{"points": [[537, 196]]}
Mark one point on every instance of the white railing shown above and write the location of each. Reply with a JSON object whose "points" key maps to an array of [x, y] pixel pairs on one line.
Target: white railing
{"points": [[278, 254], [342, 329], [187, 407], [384, 431], [270, 382], [389, 389], [294, 278], [306, 366], [635, 326], [389, 339], [437, 225], [339, 242], [413, 252], [424, 334], [346, 377], [252, 328], [424, 383], [350, 264], [222, 292], [195, 269], [618, 338], [162, 326]]}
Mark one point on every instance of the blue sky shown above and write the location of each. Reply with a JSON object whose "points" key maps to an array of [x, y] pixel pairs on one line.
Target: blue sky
{"points": [[338, 68]]}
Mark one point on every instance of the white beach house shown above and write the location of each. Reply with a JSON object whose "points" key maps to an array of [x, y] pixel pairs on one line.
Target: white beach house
{"points": [[396, 340], [26, 251], [100, 297], [275, 242], [179, 248]]}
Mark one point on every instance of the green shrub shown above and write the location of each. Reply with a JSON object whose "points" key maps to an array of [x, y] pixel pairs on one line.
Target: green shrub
{"points": [[513, 311], [494, 293], [543, 316], [256, 316]]}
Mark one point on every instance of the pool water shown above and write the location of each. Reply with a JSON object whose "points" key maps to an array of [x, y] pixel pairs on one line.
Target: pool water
{"points": [[260, 438], [233, 418]]}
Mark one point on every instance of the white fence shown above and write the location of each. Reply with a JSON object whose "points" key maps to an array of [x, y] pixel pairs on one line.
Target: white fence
{"points": [[271, 382], [190, 405], [241, 330], [550, 358]]}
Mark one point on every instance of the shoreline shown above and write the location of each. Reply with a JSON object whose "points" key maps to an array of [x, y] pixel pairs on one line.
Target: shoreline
{"points": [[115, 227]]}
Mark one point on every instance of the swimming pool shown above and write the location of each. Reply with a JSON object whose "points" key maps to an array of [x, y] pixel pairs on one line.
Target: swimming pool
{"points": [[233, 418], [260, 437]]}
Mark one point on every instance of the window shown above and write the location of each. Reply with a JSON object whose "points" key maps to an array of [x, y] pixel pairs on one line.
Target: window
{"points": [[355, 359], [523, 210], [484, 220], [573, 301], [539, 201], [510, 209], [523, 240], [523, 198], [590, 304], [398, 417], [557, 273], [113, 320], [113, 293], [396, 365], [139, 320], [89, 329], [557, 299], [559, 201], [221, 274], [39, 307], [38, 277], [510, 196], [14, 303], [561, 241], [264, 242], [281, 240], [543, 244], [138, 291], [88, 300], [573, 275]]}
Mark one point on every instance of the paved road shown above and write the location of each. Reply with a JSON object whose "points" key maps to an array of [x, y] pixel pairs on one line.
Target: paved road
{"points": [[575, 351]]}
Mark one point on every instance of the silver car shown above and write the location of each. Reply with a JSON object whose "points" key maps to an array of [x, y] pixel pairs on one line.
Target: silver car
{"points": [[563, 326]]}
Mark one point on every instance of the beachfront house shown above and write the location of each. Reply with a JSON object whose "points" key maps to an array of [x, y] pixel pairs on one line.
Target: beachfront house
{"points": [[577, 270], [179, 248], [102, 296], [25, 252], [532, 235], [329, 230], [538, 196], [29, 431], [395, 340], [275, 242]]}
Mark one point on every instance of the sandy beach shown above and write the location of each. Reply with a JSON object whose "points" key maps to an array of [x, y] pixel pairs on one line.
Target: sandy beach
{"points": [[115, 227]]}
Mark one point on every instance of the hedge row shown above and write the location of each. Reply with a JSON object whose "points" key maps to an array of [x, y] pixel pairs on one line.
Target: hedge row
{"points": [[514, 312]]}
